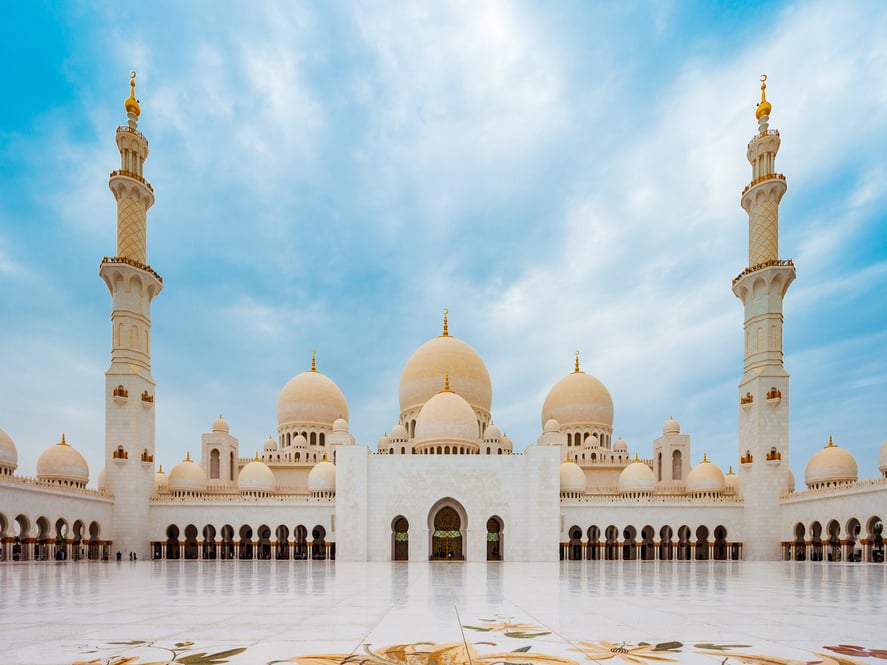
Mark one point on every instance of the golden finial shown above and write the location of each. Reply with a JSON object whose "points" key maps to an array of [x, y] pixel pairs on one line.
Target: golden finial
{"points": [[132, 104], [567, 456], [730, 471], [62, 442], [187, 456], [161, 469], [446, 387], [764, 106], [704, 457], [830, 442], [576, 370], [257, 457], [314, 360], [446, 331], [637, 456]]}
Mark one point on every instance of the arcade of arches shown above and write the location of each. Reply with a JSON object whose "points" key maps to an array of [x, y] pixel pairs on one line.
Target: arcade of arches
{"points": [[24, 539], [263, 543], [829, 540], [648, 544]]}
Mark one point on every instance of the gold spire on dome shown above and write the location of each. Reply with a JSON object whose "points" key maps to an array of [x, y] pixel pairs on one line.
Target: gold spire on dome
{"points": [[730, 472], [257, 457], [446, 330], [764, 106], [831, 443], [446, 388], [704, 457], [132, 104], [314, 360], [576, 370], [637, 456], [161, 469], [63, 442], [187, 456]]}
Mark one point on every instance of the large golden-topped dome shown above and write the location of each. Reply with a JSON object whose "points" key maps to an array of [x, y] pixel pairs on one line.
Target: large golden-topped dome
{"points": [[445, 356], [579, 399], [311, 398]]}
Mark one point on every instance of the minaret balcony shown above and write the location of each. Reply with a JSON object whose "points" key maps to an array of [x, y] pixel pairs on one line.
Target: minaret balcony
{"points": [[130, 174], [763, 178], [761, 266]]}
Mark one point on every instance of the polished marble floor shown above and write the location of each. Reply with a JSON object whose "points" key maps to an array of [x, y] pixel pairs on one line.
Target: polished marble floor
{"points": [[324, 613]]}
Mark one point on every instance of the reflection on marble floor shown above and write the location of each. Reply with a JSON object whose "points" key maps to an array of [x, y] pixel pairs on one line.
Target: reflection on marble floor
{"points": [[329, 613]]}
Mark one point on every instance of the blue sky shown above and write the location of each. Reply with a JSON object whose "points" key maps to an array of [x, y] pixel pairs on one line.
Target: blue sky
{"points": [[330, 176]]}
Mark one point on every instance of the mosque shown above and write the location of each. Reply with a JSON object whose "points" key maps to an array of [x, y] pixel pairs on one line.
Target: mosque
{"points": [[445, 482]]}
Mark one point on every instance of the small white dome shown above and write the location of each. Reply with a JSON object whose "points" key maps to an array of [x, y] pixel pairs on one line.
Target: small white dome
{"points": [[220, 425], [399, 433], [100, 483], [637, 477], [322, 477], [706, 477], [62, 463], [572, 477], [8, 451], [671, 426], [832, 464], [383, 443], [446, 417], [256, 477], [492, 433], [340, 425], [882, 459], [506, 443], [300, 441], [270, 444], [551, 426], [161, 482], [732, 481], [789, 485], [186, 476], [620, 446]]}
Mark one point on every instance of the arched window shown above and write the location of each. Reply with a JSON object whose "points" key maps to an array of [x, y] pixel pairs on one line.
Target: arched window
{"points": [[400, 537], [231, 466], [214, 464], [676, 465]]}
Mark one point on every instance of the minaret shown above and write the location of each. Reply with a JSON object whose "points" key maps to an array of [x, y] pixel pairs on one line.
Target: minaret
{"points": [[764, 388], [129, 386]]}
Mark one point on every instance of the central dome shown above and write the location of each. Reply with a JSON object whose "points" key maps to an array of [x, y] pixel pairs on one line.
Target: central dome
{"points": [[579, 399], [311, 398], [446, 417], [445, 355]]}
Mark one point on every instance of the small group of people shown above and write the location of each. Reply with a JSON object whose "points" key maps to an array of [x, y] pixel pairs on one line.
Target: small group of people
{"points": [[132, 556]]}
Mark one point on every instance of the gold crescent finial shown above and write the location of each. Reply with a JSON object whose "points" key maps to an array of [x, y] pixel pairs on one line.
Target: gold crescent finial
{"points": [[576, 370], [446, 332], [161, 469], [314, 360], [764, 107], [704, 457], [187, 456], [831, 443], [132, 104], [62, 442]]}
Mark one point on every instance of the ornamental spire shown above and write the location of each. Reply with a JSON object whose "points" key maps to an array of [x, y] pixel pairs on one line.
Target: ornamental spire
{"points": [[314, 360], [576, 370], [131, 104], [446, 332]]}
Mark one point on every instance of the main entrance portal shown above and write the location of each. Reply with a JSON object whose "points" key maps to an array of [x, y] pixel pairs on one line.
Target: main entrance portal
{"points": [[446, 543]]}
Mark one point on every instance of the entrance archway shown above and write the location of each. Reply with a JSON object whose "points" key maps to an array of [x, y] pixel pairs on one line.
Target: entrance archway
{"points": [[400, 539], [447, 542], [494, 539]]}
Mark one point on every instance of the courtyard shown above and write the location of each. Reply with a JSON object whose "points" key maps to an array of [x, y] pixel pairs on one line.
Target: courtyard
{"points": [[324, 612]]}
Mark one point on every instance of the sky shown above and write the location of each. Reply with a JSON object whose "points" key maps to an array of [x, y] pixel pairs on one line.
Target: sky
{"points": [[331, 176]]}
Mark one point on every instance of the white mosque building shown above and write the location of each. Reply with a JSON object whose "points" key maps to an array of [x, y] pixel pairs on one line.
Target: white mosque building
{"points": [[444, 482]]}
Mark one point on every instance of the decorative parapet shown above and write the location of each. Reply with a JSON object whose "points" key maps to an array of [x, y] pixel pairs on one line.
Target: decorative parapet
{"points": [[747, 458], [773, 455], [761, 266], [148, 399], [36, 483], [238, 498], [747, 399], [606, 499], [125, 128], [134, 264], [134, 176], [770, 132], [763, 178], [859, 486], [121, 392]]}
